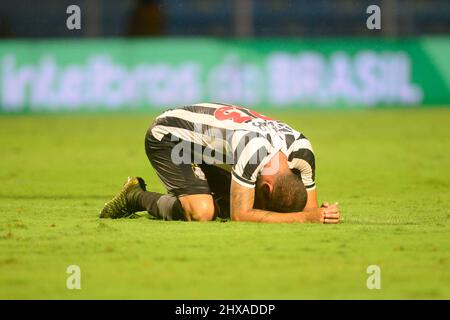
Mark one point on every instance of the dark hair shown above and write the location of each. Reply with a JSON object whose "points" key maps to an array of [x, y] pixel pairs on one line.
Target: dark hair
{"points": [[289, 194]]}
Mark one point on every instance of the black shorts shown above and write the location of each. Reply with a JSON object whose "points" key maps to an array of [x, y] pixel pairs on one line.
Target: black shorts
{"points": [[188, 178]]}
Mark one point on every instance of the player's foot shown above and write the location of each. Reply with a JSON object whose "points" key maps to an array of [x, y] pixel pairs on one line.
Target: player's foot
{"points": [[125, 203]]}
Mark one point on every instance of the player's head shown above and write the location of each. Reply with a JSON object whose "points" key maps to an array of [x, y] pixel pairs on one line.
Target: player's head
{"points": [[285, 193]]}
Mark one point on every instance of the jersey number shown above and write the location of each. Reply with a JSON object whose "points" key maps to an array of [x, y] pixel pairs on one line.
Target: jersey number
{"points": [[238, 114]]}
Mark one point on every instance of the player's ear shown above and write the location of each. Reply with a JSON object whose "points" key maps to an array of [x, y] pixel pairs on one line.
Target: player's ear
{"points": [[267, 188]]}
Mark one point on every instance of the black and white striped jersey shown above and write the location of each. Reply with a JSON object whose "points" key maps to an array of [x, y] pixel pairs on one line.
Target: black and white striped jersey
{"points": [[237, 139]]}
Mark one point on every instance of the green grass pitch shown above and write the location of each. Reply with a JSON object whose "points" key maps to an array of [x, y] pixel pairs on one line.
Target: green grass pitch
{"points": [[389, 170]]}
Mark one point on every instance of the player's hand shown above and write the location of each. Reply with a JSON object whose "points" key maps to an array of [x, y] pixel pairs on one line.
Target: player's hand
{"points": [[331, 213], [326, 204], [328, 214]]}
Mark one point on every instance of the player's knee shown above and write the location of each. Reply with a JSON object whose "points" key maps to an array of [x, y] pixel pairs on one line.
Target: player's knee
{"points": [[201, 210]]}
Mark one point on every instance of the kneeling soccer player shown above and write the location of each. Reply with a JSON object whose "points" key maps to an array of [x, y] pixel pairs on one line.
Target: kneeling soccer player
{"points": [[220, 160]]}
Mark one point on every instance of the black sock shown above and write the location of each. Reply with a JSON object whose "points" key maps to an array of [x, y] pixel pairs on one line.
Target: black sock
{"points": [[161, 206]]}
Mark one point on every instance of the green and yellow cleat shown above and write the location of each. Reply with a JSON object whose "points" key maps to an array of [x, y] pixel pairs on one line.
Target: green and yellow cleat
{"points": [[125, 203]]}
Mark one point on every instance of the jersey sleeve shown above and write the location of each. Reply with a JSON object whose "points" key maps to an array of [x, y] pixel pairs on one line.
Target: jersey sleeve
{"points": [[302, 161]]}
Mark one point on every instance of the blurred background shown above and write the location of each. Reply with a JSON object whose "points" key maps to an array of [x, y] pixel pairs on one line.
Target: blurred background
{"points": [[151, 54], [223, 18]]}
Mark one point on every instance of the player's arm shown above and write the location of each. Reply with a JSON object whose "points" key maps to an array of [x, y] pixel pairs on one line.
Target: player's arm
{"points": [[306, 169], [242, 199], [311, 202]]}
